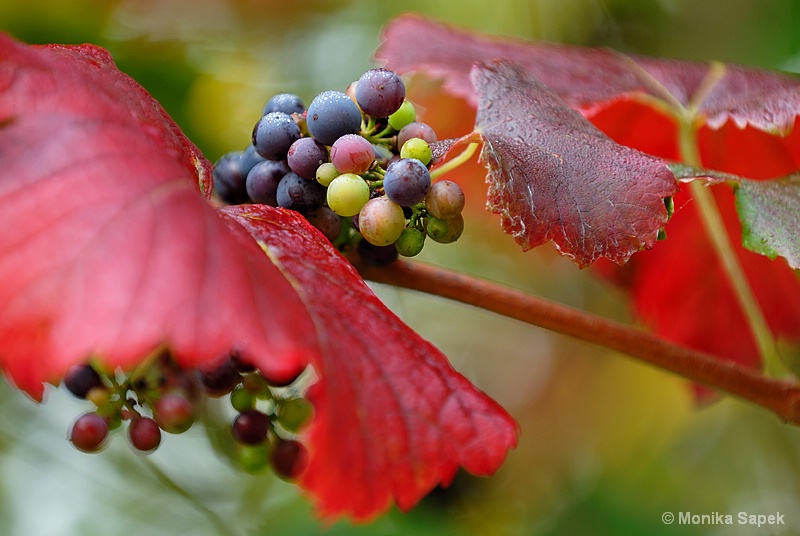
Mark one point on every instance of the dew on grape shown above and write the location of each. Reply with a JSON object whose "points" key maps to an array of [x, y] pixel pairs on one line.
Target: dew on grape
{"points": [[380, 92], [288, 103], [305, 156], [331, 115], [407, 181], [352, 154], [273, 134]]}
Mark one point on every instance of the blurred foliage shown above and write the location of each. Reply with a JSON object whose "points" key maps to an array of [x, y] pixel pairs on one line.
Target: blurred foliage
{"points": [[607, 444]]}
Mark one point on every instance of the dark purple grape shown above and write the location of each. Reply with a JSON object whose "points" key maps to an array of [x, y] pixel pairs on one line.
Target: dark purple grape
{"points": [[219, 380], [250, 158], [274, 134], [417, 129], [380, 92], [144, 434], [352, 154], [80, 379], [289, 458], [262, 181], [376, 255], [250, 427], [407, 181], [242, 365], [327, 221], [305, 156], [297, 193], [287, 103], [89, 432], [174, 413], [229, 178], [331, 115]]}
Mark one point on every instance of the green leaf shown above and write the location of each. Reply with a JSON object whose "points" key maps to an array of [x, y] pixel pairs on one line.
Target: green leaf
{"points": [[770, 216]]}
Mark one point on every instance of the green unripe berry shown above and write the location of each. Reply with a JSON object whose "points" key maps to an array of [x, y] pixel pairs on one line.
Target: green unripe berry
{"points": [[381, 221], [445, 231], [294, 414], [242, 399], [347, 193], [257, 386], [253, 458], [411, 242], [326, 173], [404, 115], [435, 228], [416, 148]]}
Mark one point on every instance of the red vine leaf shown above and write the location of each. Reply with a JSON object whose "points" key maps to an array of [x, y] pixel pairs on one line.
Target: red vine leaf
{"points": [[109, 250], [555, 176], [590, 79], [680, 288], [393, 419], [674, 284]]}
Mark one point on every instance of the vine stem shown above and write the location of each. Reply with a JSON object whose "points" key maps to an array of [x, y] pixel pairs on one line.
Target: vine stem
{"points": [[779, 396], [720, 240]]}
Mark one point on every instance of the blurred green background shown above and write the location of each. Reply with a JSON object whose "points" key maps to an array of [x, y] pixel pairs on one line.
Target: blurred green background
{"points": [[607, 445]]}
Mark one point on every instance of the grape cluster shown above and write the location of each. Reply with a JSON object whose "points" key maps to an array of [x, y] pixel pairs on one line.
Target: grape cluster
{"points": [[355, 164], [161, 396]]}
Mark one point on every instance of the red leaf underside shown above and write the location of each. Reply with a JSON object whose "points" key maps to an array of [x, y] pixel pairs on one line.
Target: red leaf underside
{"points": [[393, 419], [109, 249], [681, 290]]}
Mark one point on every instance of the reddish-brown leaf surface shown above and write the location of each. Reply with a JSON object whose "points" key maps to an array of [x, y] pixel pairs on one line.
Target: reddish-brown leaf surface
{"points": [[678, 287], [109, 249], [393, 419], [554, 176], [589, 79]]}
